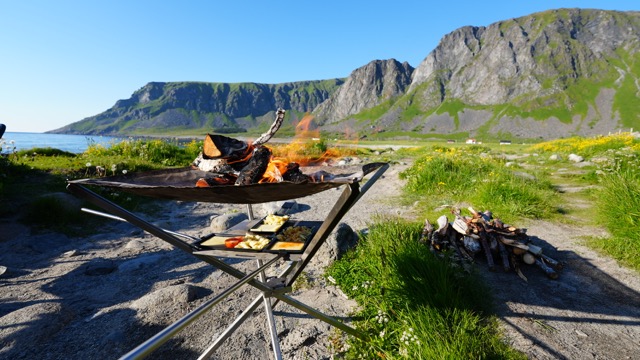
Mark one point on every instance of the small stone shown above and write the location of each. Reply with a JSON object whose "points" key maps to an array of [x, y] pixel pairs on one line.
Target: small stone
{"points": [[224, 222], [71, 253], [575, 158], [3, 270], [99, 267], [580, 333]]}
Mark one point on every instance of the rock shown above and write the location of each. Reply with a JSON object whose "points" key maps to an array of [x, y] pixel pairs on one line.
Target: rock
{"points": [[524, 175], [339, 242], [583, 164], [139, 262], [575, 158], [3, 270], [99, 267], [71, 253], [135, 244], [555, 157], [165, 297], [225, 221]]}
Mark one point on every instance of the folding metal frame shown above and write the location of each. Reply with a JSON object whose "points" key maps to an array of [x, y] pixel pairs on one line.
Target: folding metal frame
{"points": [[276, 287]]}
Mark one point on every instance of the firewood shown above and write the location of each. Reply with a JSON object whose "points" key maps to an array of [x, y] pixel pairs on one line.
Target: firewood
{"points": [[427, 231], [516, 267], [272, 130], [223, 147], [252, 172], [552, 262], [294, 175], [487, 253], [443, 225], [551, 274], [504, 255], [460, 226]]}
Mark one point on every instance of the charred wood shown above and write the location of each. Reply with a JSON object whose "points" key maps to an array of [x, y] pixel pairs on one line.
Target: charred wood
{"points": [[252, 172], [294, 175]]}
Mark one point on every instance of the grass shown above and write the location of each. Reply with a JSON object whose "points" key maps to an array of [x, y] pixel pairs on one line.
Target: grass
{"points": [[450, 176], [413, 304], [617, 205]]}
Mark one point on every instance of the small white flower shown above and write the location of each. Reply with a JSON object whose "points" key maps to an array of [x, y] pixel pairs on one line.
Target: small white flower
{"points": [[88, 164], [113, 167], [124, 172]]}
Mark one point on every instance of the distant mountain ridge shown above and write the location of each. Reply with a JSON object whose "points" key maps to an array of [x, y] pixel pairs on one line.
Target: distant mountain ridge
{"points": [[550, 74]]}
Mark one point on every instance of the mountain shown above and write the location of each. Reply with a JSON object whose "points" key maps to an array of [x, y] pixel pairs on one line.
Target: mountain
{"points": [[198, 107], [546, 75]]}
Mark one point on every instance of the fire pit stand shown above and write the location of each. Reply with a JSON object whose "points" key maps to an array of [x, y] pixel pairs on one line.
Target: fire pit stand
{"points": [[276, 287]]}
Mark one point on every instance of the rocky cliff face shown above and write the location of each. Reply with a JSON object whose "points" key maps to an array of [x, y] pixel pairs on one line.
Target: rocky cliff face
{"points": [[536, 55], [551, 74], [366, 87]]}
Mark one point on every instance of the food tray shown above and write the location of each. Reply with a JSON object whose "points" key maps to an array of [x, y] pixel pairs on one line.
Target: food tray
{"points": [[287, 246], [218, 243], [261, 227]]}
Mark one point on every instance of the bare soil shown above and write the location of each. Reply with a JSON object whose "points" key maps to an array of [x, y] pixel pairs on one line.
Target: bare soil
{"points": [[100, 296]]}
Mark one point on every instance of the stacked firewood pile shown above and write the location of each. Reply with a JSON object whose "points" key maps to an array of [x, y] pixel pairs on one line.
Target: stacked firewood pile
{"points": [[480, 233]]}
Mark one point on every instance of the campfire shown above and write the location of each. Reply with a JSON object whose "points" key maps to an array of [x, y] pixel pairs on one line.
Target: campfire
{"points": [[237, 162], [479, 233]]}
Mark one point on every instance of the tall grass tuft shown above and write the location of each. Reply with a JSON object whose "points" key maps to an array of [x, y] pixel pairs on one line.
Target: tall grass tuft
{"points": [[618, 207], [414, 304], [453, 176]]}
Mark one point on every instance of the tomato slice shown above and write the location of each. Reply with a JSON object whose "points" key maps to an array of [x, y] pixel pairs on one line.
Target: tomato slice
{"points": [[232, 242]]}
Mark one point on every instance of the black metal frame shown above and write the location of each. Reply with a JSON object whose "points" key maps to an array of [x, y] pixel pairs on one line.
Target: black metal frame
{"points": [[276, 287]]}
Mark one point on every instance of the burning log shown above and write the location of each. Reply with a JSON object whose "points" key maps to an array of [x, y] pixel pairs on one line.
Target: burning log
{"points": [[294, 174], [222, 147], [255, 167], [481, 233]]}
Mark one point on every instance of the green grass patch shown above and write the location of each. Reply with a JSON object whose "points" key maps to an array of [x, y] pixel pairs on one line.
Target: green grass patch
{"points": [[450, 176], [413, 304], [618, 207]]}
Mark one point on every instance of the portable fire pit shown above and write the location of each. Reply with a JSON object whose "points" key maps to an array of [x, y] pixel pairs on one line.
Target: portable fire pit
{"points": [[180, 184]]}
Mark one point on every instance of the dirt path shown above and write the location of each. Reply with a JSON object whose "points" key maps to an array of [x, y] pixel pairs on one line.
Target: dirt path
{"points": [[99, 297], [592, 311]]}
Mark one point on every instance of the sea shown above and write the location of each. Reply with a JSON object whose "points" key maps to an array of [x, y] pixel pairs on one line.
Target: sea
{"points": [[16, 141]]}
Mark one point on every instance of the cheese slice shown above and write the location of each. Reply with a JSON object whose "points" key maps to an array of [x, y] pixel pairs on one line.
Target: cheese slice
{"points": [[288, 245], [267, 228], [215, 241]]}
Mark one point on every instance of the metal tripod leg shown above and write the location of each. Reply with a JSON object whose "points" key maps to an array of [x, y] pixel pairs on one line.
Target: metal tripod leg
{"points": [[271, 321]]}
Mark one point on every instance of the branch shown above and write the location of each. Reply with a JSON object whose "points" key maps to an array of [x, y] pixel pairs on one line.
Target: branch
{"points": [[272, 130]]}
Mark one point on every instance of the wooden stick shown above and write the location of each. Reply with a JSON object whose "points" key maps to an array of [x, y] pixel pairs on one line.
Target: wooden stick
{"points": [[272, 130], [551, 274], [552, 262], [487, 251], [427, 230], [505, 257]]}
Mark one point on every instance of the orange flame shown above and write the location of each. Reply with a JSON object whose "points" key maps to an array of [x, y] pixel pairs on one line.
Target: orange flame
{"points": [[297, 151]]}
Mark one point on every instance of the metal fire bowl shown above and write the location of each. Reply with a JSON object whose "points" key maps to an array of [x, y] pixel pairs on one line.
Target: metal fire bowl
{"points": [[179, 184]]}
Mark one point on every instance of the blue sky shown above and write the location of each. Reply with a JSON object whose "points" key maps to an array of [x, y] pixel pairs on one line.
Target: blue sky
{"points": [[62, 61]]}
